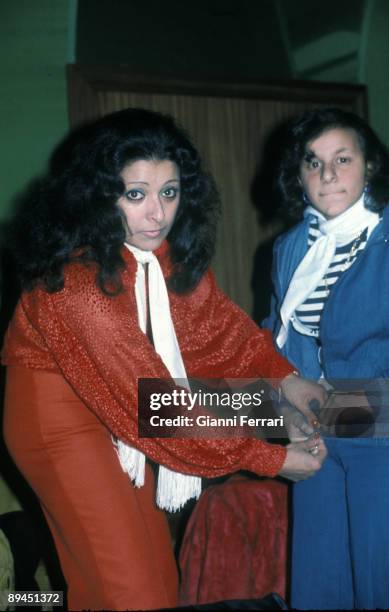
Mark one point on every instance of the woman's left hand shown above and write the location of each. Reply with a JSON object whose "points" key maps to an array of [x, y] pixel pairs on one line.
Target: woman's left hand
{"points": [[302, 394]]}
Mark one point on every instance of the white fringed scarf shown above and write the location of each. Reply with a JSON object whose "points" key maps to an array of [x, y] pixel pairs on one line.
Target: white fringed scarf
{"points": [[335, 232], [173, 489]]}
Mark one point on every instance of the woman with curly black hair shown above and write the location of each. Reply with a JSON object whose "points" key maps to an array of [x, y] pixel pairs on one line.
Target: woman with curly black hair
{"points": [[329, 316], [113, 255]]}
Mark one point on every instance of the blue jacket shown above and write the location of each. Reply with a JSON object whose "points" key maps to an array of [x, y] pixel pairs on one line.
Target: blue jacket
{"points": [[354, 327]]}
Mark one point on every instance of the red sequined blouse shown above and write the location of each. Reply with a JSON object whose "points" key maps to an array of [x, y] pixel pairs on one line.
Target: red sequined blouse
{"points": [[95, 342]]}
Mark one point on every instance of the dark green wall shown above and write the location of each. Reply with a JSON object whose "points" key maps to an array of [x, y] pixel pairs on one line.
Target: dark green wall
{"points": [[375, 66], [33, 106], [206, 38]]}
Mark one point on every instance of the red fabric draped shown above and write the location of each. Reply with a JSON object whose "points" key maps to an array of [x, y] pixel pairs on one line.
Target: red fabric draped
{"points": [[235, 543]]}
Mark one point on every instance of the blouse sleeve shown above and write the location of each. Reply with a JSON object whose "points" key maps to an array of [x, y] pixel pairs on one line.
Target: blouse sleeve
{"points": [[96, 344]]}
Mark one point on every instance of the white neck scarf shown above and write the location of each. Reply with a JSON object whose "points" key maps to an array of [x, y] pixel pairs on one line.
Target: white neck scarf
{"points": [[335, 232], [173, 489]]}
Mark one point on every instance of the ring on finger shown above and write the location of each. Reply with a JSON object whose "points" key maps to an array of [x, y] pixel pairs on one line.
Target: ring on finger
{"points": [[314, 450]]}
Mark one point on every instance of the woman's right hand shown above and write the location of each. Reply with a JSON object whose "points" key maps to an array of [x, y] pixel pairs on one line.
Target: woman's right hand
{"points": [[303, 459]]}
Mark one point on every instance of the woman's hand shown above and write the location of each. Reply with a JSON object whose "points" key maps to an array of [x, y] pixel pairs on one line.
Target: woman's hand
{"points": [[306, 396], [296, 423], [303, 459]]}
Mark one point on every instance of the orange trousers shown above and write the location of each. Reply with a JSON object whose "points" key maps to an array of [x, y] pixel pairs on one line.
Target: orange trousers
{"points": [[113, 543]]}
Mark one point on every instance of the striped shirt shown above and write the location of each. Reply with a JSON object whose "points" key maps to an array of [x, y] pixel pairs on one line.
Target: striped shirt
{"points": [[310, 311]]}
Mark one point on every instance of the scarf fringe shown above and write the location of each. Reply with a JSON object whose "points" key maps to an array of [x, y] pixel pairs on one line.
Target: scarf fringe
{"points": [[133, 462], [173, 489]]}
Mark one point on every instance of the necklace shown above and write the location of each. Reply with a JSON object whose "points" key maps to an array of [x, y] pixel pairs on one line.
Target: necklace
{"points": [[349, 260]]}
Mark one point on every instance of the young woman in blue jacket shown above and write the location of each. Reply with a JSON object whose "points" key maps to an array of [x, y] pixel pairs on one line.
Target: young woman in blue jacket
{"points": [[330, 318]]}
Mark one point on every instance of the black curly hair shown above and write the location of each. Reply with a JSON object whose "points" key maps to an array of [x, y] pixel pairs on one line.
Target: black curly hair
{"points": [[72, 214], [310, 125]]}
